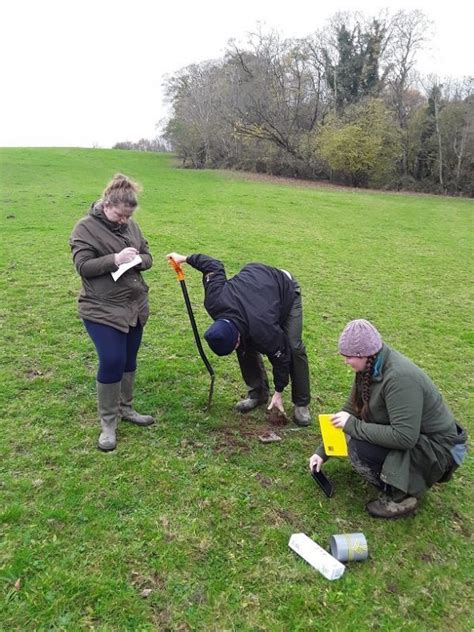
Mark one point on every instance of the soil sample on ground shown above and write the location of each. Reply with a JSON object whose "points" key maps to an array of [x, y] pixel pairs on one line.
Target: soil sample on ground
{"points": [[276, 418]]}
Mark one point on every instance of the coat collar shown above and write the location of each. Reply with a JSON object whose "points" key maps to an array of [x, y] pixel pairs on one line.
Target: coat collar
{"points": [[97, 211]]}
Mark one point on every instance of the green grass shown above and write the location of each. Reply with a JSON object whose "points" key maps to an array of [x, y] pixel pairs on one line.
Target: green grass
{"points": [[195, 509]]}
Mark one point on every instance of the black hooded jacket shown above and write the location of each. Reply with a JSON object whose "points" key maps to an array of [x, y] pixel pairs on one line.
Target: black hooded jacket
{"points": [[257, 300]]}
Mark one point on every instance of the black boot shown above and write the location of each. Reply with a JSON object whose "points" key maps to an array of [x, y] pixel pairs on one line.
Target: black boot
{"points": [[248, 404]]}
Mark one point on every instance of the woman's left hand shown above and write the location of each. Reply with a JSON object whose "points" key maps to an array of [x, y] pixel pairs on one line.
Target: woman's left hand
{"points": [[339, 419]]}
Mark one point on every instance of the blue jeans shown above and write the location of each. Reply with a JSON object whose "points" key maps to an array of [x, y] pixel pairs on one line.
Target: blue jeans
{"points": [[117, 351]]}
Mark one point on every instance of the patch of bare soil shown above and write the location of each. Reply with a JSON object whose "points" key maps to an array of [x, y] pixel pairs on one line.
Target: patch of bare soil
{"points": [[427, 557], [276, 418], [32, 374], [233, 441], [284, 516], [147, 584], [240, 439], [460, 525], [265, 481]]}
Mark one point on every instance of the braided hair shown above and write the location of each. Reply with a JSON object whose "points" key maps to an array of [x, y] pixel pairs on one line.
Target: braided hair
{"points": [[361, 393]]}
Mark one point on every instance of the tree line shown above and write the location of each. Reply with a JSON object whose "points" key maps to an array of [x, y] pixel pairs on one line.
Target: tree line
{"points": [[144, 144], [345, 104]]}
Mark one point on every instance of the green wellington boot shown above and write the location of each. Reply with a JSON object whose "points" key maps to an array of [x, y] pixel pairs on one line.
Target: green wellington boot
{"points": [[126, 403], [108, 397]]}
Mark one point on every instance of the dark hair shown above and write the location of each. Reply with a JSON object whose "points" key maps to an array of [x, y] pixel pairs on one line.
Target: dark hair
{"points": [[361, 392], [121, 191]]}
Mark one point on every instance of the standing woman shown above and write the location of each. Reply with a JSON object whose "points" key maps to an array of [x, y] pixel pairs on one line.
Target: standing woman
{"points": [[402, 437], [114, 312]]}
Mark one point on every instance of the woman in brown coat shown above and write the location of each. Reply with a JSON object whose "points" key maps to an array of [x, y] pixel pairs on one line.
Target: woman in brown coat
{"points": [[114, 310]]}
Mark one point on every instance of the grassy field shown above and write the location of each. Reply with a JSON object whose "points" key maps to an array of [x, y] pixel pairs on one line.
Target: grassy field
{"points": [[186, 525]]}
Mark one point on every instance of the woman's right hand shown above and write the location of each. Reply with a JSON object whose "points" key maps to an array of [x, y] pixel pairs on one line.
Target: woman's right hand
{"points": [[316, 462], [125, 256], [176, 257]]}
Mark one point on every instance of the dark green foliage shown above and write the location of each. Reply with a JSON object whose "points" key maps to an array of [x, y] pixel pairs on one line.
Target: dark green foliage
{"points": [[355, 74]]}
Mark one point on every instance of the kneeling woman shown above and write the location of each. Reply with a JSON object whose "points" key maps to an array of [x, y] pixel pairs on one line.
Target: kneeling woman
{"points": [[402, 437]]}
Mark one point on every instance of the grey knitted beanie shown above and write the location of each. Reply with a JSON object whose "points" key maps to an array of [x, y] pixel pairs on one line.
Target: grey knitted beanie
{"points": [[360, 339]]}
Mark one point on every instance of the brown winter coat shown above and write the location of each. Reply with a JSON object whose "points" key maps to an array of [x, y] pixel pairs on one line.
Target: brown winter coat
{"points": [[94, 241]]}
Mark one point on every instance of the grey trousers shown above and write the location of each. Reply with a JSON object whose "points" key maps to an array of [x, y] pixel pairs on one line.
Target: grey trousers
{"points": [[253, 369]]}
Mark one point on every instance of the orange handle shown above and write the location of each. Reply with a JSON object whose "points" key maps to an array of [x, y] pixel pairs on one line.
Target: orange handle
{"points": [[177, 268]]}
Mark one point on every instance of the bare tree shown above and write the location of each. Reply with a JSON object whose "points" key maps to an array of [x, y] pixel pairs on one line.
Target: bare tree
{"points": [[408, 32], [277, 96], [265, 106], [193, 96]]}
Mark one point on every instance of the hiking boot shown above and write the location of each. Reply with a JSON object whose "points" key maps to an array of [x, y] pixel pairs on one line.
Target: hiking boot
{"points": [[246, 405], [301, 416], [385, 507], [127, 412], [108, 406]]}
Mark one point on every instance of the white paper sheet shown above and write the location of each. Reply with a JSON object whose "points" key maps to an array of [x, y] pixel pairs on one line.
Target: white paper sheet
{"points": [[126, 266]]}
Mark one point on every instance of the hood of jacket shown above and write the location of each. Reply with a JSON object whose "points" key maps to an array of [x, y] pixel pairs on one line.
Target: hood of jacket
{"points": [[97, 211]]}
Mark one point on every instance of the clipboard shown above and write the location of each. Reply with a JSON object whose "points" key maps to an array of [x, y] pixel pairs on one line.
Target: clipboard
{"points": [[334, 440]]}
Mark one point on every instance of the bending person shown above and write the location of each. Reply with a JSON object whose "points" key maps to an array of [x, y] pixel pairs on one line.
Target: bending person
{"points": [[402, 437], [258, 311], [114, 312]]}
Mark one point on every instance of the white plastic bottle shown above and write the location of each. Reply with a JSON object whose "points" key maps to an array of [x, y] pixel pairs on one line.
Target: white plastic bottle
{"points": [[319, 559]]}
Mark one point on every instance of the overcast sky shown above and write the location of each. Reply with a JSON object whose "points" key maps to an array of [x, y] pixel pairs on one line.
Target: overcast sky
{"points": [[89, 72]]}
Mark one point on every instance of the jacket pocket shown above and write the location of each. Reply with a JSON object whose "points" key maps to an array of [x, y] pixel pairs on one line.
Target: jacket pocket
{"points": [[105, 288]]}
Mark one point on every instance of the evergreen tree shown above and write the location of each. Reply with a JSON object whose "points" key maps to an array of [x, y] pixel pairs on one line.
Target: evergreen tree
{"points": [[355, 74]]}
